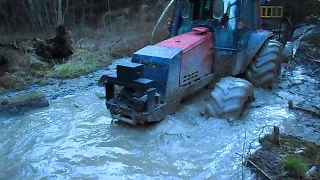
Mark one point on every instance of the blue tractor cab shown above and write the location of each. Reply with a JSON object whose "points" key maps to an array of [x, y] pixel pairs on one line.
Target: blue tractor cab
{"points": [[236, 25]]}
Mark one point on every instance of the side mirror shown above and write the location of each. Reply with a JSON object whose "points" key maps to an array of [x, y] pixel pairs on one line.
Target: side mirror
{"points": [[185, 9], [218, 9]]}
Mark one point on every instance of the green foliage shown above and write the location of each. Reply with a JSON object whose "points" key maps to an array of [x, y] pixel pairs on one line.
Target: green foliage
{"points": [[81, 63], [295, 166], [64, 69]]}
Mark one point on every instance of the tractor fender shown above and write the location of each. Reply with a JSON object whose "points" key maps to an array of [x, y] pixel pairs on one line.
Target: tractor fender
{"points": [[255, 42]]}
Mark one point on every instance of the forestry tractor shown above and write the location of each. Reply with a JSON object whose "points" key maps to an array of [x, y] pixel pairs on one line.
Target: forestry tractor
{"points": [[212, 42]]}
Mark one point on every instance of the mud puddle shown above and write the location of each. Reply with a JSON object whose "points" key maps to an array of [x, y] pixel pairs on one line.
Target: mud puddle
{"points": [[76, 138]]}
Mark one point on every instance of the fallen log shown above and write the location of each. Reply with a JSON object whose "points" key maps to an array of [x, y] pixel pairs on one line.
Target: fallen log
{"points": [[309, 111], [260, 170]]}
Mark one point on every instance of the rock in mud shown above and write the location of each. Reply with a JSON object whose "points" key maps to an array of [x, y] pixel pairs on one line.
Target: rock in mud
{"points": [[23, 102], [312, 172]]}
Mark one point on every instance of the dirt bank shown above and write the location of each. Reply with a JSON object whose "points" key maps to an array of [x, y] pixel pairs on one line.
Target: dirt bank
{"points": [[119, 35], [76, 137], [291, 159], [295, 157]]}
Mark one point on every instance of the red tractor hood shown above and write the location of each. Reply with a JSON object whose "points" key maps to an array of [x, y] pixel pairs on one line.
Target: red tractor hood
{"points": [[188, 41]]}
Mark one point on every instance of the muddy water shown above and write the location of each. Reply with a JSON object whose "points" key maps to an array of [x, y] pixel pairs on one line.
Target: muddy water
{"points": [[76, 138]]}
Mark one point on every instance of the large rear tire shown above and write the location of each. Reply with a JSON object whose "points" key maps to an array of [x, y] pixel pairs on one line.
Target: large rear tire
{"points": [[266, 65], [228, 98]]}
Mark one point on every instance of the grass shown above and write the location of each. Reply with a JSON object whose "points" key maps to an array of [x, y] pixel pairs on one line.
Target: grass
{"points": [[14, 81], [123, 36], [299, 155], [294, 165], [81, 63]]}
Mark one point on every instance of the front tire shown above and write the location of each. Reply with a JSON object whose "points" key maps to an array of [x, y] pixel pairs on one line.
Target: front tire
{"points": [[266, 65], [228, 98]]}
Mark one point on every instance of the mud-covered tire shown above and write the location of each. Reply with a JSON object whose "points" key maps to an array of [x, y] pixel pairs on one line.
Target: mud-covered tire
{"points": [[228, 98], [266, 65]]}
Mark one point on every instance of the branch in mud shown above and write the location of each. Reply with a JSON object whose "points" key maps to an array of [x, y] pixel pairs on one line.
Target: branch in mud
{"points": [[259, 169], [244, 155], [315, 71], [311, 59], [309, 111]]}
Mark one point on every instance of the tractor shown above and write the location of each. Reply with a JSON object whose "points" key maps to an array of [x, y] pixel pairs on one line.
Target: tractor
{"points": [[280, 18], [212, 42]]}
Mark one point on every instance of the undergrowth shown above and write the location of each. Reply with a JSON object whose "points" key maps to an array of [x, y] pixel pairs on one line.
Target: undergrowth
{"points": [[81, 63], [294, 165], [115, 35], [297, 156]]}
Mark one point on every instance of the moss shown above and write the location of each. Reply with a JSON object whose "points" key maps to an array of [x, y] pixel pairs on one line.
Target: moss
{"points": [[294, 165], [300, 155], [24, 97], [13, 81], [296, 155], [81, 63], [22, 102]]}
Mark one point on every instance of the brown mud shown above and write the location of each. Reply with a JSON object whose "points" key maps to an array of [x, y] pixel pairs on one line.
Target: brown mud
{"points": [[294, 157], [289, 160]]}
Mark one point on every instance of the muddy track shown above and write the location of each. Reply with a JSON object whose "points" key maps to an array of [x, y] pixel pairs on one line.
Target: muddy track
{"points": [[75, 136]]}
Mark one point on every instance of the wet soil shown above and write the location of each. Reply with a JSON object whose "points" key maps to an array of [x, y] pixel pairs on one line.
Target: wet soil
{"points": [[75, 136], [302, 93], [272, 159], [24, 68]]}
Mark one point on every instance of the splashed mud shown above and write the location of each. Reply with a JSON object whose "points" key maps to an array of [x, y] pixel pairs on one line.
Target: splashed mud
{"points": [[76, 138]]}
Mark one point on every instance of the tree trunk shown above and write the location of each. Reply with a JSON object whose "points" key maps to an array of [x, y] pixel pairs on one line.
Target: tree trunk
{"points": [[276, 136], [59, 11], [5, 13]]}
